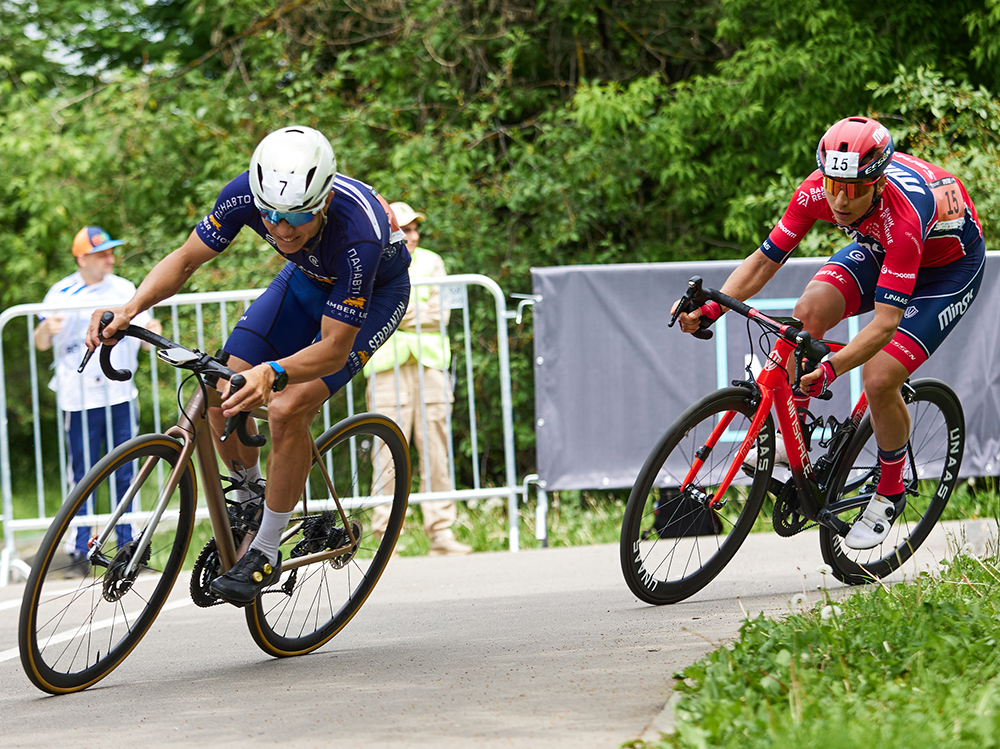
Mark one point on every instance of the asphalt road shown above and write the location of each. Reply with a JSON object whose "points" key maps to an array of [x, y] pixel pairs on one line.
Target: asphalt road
{"points": [[544, 648]]}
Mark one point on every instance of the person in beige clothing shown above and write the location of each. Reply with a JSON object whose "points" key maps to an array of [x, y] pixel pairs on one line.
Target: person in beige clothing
{"points": [[396, 372]]}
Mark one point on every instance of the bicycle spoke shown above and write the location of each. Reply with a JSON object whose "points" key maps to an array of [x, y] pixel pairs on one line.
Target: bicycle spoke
{"points": [[936, 418], [670, 558], [369, 459]]}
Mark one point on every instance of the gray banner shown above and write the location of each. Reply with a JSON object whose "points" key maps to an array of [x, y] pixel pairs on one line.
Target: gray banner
{"points": [[610, 377]]}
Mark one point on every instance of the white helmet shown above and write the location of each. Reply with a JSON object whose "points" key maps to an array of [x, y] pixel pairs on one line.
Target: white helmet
{"points": [[292, 170]]}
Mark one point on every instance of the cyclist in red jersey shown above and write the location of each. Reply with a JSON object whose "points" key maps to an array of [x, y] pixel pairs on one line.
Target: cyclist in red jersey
{"points": [[917, 260]]}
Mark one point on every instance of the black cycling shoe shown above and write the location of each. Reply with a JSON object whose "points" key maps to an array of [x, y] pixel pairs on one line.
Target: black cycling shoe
{"points": [[244, 582]]}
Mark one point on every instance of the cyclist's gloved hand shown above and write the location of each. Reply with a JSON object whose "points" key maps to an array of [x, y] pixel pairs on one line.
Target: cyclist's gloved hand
{"points": [[710, 312], [819, 386]]}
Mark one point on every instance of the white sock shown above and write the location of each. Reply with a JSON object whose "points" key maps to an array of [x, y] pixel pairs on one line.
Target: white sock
{"points": [[245, 475], [269, 536]]}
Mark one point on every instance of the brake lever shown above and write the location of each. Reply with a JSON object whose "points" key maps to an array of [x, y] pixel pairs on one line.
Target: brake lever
{"points": [[238, 423], [692, 299], [114, 374], [804, 365]]}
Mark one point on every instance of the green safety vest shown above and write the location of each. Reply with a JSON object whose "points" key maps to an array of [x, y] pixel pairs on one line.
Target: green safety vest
{"points": [[433, 350]]}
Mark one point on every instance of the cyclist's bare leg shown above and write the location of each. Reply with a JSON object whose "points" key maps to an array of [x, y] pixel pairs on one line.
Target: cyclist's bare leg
{"points": [[289, 415], [233, 450], [883, 376], [820, 307]]}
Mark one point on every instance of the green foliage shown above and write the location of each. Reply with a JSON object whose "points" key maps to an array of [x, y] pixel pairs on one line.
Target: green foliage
{"points": [[531, 133], [907, 665]]}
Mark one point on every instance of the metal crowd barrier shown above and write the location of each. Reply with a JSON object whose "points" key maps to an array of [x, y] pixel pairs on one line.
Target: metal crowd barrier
{"points": [[214, 315]]}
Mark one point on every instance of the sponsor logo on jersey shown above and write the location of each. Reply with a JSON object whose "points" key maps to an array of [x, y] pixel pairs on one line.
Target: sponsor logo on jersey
{"points": [[358, 302], [786, 230], [237, 201], [387, 330], [214, 220], [906, 276], [910, 312], [902, 300], [904, 179], [357, 278]]}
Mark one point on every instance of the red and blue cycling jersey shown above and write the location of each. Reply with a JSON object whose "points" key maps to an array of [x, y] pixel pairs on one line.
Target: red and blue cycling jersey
{"points": [[348, 258], [923, 219]]}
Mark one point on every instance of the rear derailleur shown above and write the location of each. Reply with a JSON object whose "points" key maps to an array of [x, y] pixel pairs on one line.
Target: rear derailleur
{"points": [[321, 533]]}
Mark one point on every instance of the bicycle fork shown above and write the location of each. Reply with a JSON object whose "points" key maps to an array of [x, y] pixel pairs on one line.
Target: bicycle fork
{"points": [[714, 501]]}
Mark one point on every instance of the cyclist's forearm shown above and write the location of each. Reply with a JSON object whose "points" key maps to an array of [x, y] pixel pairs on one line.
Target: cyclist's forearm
{"points": [[169, 276], [315, 361], [871, 339], [750, 276], [325, 357]]}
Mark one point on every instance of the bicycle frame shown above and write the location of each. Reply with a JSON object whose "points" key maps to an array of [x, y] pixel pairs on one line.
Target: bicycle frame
{"points": [[197, 441], [775, 392]]}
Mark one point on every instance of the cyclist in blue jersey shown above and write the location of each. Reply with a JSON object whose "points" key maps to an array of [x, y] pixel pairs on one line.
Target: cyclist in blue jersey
{"points": [[341, 294], [917, 260]]}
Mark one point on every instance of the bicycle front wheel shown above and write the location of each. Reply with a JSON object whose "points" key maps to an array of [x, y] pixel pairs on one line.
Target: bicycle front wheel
{"points": [[80, 616], [671, 559], [369, 463], [934, 457]]}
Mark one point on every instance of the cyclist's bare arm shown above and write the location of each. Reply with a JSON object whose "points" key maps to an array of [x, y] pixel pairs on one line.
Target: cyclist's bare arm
{"points": [[166, 279], [749, 277], [869, 341], [326, 356], [391, 214]]}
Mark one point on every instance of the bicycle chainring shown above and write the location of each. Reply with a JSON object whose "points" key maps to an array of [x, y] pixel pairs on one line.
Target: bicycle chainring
{"points": [[207, 567], [786, 518]]}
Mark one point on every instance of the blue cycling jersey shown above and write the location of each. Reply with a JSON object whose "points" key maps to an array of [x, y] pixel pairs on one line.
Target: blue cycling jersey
{"points": [[350, 256]]}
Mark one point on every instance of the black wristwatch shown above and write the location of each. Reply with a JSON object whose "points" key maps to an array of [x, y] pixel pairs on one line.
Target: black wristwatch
{"points": [[280, 376]]}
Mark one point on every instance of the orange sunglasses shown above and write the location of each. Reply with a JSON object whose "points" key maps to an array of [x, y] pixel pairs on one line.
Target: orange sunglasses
{"points": [[852, 189]]}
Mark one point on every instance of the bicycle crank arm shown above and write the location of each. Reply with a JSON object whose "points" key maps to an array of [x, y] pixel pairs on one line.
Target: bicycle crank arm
{"points": [[834, 523]]}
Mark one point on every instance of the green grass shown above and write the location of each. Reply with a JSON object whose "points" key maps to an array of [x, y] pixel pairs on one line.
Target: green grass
{"points": [[575, 518], [914, 664]]}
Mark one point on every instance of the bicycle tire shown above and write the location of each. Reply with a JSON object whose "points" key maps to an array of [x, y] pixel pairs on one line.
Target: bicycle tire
{"points": [[667, 570], [71, 637], [937, 442], [310, 605]]}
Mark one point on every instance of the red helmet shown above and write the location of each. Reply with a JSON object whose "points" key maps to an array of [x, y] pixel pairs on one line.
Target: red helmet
{"points": [[856, 148]]}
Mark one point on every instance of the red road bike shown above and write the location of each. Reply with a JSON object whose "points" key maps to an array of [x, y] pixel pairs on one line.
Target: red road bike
{"points": [[699, 464]]}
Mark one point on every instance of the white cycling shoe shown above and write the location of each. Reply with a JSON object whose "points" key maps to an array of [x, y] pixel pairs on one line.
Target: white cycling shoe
{"points": [[780, 454], [873, 526]]}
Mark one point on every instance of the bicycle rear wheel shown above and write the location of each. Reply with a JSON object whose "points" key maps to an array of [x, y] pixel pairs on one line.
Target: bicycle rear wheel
{"points": [[937, 442], [662, 569], [369, 462], [80, 619]]}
